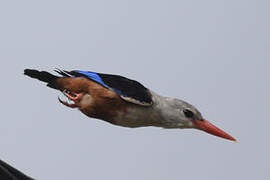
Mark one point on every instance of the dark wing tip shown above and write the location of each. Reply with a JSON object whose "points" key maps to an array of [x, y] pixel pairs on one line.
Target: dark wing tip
{"points": [[62, 72]]}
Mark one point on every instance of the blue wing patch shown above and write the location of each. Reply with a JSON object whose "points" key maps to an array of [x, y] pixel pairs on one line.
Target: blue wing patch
{"points": [[94, 76]]}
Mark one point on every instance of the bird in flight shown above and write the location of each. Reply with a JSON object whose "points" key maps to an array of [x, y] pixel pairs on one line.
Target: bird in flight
{"points": [[123, 102]]}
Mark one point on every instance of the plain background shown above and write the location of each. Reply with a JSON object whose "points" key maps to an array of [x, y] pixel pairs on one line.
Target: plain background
{"points": [[213, 54]]}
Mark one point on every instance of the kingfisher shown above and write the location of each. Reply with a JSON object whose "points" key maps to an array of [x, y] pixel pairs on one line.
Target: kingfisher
{"points": [[123, 102]]}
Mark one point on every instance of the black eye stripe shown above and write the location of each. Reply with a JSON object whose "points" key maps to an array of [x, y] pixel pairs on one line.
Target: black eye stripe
{"points": [[188, 113]]}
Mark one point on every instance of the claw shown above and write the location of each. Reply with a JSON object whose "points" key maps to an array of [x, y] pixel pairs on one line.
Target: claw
{"points": [[72, 96], [67, 104], [76, 97]]}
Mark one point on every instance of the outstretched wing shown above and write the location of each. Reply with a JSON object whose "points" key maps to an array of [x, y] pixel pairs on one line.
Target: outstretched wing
{"points": [[129, 90]]}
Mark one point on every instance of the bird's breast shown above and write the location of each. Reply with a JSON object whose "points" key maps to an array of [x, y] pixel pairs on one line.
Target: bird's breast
{"points": [[118, 112], [105, 104], [137, 116], [102, 103]]}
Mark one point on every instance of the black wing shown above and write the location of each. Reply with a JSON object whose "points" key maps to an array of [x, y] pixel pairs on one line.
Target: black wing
{"points": [[130, 89]]}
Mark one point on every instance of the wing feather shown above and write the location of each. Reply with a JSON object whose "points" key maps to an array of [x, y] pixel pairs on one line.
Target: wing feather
{"points": [[129, 90]]}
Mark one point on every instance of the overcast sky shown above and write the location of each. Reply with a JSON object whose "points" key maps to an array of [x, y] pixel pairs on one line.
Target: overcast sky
{"points": [[213, 54]]}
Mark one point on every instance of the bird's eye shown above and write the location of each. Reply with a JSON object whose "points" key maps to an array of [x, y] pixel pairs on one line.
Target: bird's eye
{"points": [[188, 113]]}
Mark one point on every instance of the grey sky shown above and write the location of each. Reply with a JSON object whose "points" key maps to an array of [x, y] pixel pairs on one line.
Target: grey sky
{"points": [[213, 54]]}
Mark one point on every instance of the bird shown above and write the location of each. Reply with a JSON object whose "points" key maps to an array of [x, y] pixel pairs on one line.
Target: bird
{"points": [[123, 102]]}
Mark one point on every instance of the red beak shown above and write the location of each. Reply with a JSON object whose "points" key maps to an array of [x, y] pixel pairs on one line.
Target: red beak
{"points": [[211, 129]]}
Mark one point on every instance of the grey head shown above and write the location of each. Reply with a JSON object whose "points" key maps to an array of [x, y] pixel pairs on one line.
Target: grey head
{"points": [[176, 113]]}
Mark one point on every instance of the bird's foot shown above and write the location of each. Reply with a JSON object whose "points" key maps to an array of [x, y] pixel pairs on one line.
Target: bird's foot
{"points": [[67, 104], [75, 97]]}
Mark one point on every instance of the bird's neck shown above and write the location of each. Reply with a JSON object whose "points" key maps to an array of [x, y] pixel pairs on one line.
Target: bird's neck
{"points": [[162, 110]]}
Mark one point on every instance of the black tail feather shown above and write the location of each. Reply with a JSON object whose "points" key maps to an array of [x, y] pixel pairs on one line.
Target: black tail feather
{"points": [[42, 76]]}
